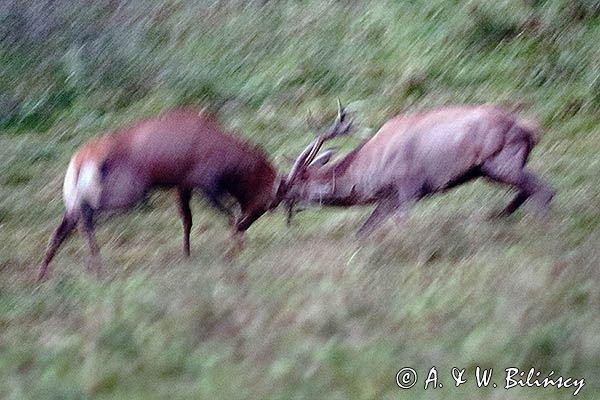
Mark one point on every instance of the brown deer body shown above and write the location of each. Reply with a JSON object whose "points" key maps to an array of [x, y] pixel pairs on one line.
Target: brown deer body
{"points": [[181, 149], [416, 155]]}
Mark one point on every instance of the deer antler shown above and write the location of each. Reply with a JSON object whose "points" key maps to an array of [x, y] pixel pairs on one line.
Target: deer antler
{"points": [[339, 128]]}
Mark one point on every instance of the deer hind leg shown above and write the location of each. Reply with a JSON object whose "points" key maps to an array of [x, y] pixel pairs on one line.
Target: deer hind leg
{"points": [[528, 185], [539, 192], [87, 215], [63, 231], [184, 196], [515, 203]]}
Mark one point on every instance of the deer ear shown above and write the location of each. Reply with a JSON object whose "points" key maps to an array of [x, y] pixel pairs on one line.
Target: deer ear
{"points": [[323, 158]]}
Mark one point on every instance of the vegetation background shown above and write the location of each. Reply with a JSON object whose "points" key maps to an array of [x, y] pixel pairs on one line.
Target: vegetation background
{"points": [[306, 312]]}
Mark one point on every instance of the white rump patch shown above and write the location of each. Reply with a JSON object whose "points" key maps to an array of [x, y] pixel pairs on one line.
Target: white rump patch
{"points": [[84, 188], [88, 184], [70, 187]]}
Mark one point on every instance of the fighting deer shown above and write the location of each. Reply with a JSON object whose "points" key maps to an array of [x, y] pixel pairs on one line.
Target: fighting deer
{"points": [[417, 155], [181, 149]]}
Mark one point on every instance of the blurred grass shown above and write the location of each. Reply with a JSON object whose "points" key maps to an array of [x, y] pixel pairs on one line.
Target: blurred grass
{"points": [[305, 312]]}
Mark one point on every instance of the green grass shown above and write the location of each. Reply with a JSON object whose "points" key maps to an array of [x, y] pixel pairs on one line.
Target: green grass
{"points": [[305, 312]]}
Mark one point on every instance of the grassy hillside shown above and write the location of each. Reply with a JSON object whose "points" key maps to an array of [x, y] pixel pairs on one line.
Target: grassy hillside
{"points": [[305, 312]]}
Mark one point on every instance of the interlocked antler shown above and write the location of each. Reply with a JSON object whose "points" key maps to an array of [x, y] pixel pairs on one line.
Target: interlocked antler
{"points": [[339, 128]]}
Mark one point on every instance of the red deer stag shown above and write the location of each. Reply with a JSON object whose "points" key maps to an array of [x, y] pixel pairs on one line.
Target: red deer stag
{"points": [[181, 149], [416, 155]]}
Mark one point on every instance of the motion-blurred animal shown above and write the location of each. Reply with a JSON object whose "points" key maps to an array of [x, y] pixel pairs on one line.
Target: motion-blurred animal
{"points": [[182, 149], [417, 155]]}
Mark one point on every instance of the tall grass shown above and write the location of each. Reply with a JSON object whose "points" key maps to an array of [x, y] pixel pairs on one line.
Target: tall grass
{"points": [[306, 312]]}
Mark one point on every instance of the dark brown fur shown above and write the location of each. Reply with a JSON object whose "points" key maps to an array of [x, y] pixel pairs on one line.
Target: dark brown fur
{"points": [[181, 149]]}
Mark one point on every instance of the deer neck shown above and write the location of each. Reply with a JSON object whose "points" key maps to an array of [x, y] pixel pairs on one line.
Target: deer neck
{"points": [[334, 187]]}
